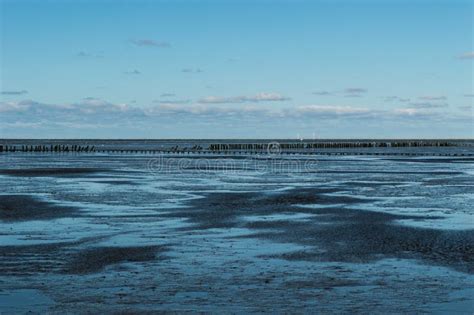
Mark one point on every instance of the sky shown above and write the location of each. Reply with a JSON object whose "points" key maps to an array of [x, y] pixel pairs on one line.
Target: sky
{"points": [[236, 69]]}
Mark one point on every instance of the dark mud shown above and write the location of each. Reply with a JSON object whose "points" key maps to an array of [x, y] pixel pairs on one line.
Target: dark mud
{"points": [[371, 184], [334, 233], [387, 172], [224, 210], [53, 172], [211, 157], [96, 259], [218, 168], [258, 245], [78, 257], [364, 237], [116, 182], [25, 208], [17, 260]]}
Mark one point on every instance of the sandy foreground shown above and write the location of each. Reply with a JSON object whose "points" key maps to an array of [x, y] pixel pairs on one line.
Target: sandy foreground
{"points": [[101, 233]]}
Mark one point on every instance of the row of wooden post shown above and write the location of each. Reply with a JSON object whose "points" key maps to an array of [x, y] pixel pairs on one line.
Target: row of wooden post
{"points": [[325, 145], [47, 148], [271, 147]]}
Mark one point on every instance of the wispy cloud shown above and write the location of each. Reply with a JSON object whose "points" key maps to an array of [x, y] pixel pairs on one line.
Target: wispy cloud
{"points": [[433, 98], [429, 105], [347, 92], [94, 105], [396, 98], [430, 101], [468, 95], [167, 95], [206, 109], [333, 110], [85, 54], [12, 92], [174, 102], [415, 113], [88, 105], [354, 92], [260, 97], [192, 70], [132, 72], [322, 93], [150, 43], [467, 55], [17, 107]]}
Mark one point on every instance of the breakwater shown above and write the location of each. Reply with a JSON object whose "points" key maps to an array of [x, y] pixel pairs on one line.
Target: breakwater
{"points": [[322, 147], [47, 148], [327, 145]]}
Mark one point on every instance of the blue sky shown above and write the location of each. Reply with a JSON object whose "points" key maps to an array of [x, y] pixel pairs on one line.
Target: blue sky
{"points": [[236, 69]]}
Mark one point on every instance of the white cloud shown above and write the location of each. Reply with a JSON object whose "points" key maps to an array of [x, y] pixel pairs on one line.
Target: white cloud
{"points": [[11, 92], [396, 98], [172, 101], [260, 97], [429, 105], [87, 105], [433, 98], [14, 106], [203, 109], [414, 112], [332, 110], [95, 111]]}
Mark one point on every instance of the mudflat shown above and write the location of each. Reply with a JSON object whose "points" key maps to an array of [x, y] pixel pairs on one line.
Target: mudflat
{"points": [[350, 235]]}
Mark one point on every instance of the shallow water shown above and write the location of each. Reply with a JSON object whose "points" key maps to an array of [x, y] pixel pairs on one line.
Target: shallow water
{"points": [[239, 233]]}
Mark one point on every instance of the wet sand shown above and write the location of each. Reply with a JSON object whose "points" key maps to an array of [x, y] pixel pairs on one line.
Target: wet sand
{"points": [[50, 171], [113, 236], [25, 207]]}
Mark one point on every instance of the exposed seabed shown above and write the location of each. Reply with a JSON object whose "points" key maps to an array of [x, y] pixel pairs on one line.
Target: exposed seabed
{"points": [[130, 233]]}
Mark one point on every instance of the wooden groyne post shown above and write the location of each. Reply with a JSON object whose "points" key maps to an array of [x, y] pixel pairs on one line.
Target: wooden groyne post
{"points": [[47, 148], [268, 147]]}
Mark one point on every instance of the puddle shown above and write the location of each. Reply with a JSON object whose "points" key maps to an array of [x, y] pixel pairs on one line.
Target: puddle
{"points": [[24, 301], [278, 217]]}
